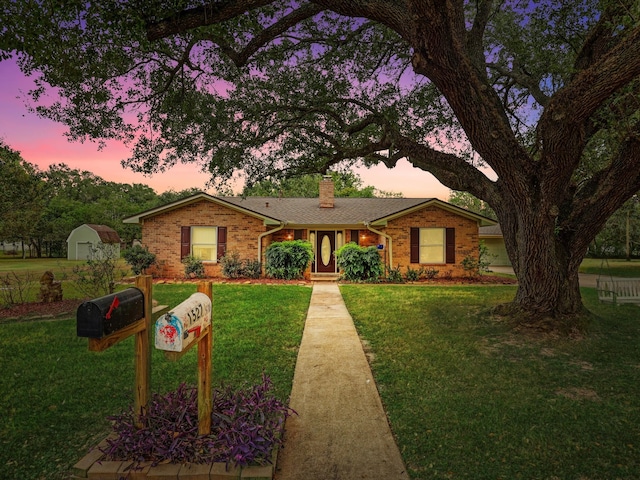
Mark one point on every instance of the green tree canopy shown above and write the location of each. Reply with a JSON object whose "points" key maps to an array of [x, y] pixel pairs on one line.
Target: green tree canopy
{"points": [[257, 87], [21, 197], [474, 204], [346, 184]]}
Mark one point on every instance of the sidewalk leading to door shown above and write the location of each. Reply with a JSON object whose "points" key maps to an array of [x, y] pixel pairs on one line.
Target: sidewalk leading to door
{"points": [[341, 430]]}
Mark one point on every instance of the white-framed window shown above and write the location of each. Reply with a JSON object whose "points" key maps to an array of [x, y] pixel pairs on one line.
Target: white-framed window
{"points": [[207, 243], [204, 243], [432, 245]]}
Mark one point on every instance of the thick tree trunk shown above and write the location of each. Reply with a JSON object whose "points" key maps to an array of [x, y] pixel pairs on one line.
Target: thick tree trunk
{"points": [[546, 264]]}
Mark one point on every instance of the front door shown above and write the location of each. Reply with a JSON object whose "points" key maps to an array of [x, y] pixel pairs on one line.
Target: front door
{"points": [[325, 246]]}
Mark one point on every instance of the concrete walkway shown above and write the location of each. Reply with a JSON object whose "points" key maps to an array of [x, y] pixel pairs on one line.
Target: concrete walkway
{"points": [[341, 430]]}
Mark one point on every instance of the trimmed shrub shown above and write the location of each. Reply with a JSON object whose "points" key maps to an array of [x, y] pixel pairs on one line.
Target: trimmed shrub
{"points": [[233, 267], [358, 263], [394, 275], [139, 258], [193, 267], [288, 260]]}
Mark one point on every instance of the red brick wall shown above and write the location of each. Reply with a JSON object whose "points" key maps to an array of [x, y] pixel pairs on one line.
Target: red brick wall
{"points": [[161, 234], [466, 238]]}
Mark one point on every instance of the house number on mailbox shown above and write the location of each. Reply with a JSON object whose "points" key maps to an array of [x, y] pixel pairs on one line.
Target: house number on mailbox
{"points": [[179, 328]]}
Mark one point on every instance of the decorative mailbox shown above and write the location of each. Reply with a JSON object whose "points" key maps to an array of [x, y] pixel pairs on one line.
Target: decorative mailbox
{"points": [[178, 329], [105, 315]]}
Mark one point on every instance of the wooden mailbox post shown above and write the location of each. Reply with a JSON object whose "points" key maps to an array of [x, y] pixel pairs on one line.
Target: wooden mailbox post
{"points": [[184, 326], [108, 320]]}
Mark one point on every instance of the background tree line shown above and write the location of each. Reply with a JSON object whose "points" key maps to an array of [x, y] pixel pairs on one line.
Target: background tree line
{"points": [[39, 209]]}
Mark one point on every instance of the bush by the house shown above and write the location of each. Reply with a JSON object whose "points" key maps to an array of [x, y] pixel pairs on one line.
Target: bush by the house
{"points": [[234, 267], [475, 267], [288, 260], [246, 425], [193, 267], [139, 258], [413, 275], [394, 275], [359, 263]]}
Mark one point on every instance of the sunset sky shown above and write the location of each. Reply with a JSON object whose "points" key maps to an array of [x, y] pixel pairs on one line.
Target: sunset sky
{"points": [[42, 142]]}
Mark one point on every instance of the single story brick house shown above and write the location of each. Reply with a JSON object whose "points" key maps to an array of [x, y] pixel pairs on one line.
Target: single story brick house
{"points": [[409, 232]]}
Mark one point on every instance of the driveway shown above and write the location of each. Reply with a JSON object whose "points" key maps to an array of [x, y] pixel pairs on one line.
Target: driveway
{"points": [[586, 279]]}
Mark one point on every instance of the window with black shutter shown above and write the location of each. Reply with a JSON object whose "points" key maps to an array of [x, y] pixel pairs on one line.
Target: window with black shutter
{"points": [[222, 242], [432, 245], [450, 246], [185, 242]]}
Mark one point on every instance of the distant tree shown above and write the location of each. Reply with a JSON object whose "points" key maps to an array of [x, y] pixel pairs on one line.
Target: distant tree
{"points": [[173, 196], [474, 204], [21, 199], [620, 238], [346, 184]]}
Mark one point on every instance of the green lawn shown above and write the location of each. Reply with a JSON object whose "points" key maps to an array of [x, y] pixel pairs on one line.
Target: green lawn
{"points": [[468, 399], [37, 266], [55, 394], [613, 267]]}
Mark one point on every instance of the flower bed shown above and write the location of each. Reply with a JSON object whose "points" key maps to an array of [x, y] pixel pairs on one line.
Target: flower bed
{"points": [[246, 431]]}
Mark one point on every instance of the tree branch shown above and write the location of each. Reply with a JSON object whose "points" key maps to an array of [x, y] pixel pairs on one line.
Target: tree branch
{"points": [[265, 36], [449, 169], [210, 14]]}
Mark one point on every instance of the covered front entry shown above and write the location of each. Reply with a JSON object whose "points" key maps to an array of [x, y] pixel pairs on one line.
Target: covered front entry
{"points": [[325, 246]]}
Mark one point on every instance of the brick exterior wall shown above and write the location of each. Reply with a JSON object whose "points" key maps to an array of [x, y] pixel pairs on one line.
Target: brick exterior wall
{"points": [[466, 238], [161, 235]]}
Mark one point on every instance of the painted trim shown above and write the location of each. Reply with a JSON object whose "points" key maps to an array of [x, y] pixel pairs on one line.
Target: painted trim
{"points": [[389, 241], [482, 220], [138, 218], [264, 234]]}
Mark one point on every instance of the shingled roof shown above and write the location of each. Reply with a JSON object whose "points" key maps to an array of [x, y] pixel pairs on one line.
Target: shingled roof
{"points": [[106, 234], [307, 211]]}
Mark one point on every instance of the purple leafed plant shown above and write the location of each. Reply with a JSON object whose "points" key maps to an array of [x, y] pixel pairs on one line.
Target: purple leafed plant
{"points": [[246, 425]]}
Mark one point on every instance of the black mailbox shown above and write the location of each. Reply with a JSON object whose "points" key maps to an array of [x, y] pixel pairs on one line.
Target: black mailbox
{"points": [[105, 315]]}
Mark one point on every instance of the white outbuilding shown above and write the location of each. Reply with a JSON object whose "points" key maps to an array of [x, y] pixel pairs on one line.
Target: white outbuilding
{"points": [[85, 239]]}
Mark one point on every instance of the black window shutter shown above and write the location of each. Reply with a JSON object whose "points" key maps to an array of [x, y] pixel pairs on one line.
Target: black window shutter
{"points": [[355, 236], [185, 242], [415, 245], [451, 245], [222, 242]]}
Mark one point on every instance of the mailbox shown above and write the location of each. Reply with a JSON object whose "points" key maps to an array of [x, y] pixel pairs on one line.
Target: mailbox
{"points": [[105, 315], [178, 329]]}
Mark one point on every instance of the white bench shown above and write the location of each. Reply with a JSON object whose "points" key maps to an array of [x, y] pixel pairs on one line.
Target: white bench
{"points": [[618, 290]]}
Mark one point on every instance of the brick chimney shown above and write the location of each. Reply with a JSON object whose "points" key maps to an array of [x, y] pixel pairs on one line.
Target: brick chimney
{"points": [[326, 192]]}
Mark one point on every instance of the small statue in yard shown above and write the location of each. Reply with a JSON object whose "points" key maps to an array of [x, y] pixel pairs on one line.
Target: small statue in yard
{"points": [[50, 289]]}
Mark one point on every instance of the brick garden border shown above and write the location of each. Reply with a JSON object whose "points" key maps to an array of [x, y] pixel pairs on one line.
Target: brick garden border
{"points": [[93, 467]]}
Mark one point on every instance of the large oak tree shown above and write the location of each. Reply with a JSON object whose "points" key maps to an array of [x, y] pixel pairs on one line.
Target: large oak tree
{"points": [[531, 106]]}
